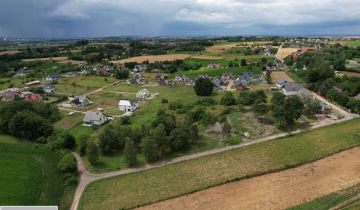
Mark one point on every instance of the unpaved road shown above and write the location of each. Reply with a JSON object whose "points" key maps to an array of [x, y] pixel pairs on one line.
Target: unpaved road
{"points": [[278, 190]]}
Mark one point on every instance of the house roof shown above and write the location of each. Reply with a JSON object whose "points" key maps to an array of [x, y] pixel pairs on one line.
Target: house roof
{"points": [[127, 103], [292, 87], [280, 81], [54, 76], [47, 86], [33, 97], [93, 116]]}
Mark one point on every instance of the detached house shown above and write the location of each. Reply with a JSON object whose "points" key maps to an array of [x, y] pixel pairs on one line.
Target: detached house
{"points": [[80, 101], [128, 105], [214, 66], [53, 77], [290, 89], [280, 83], [143, 94], [33, 97], [95, 118], [48, 88]]}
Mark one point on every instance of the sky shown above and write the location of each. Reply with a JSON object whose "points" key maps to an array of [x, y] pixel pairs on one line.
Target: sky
{"points": [[102, 18]]}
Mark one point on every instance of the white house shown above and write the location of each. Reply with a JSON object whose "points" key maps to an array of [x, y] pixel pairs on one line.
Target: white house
{"points": [[143, 94], [95, 118], [128, 105]]}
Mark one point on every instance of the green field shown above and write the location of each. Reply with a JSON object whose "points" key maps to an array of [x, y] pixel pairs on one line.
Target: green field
{"points": [[354, 43], [332, 200], [218, 72], [29, 175], [82, 85], [158, 184]]}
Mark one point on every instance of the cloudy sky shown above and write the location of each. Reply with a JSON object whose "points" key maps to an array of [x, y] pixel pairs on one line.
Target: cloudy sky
{"points": [[98, 18]]}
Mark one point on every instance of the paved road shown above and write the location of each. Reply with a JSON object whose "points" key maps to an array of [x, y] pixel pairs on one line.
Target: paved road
{"points": [[87, 177]]}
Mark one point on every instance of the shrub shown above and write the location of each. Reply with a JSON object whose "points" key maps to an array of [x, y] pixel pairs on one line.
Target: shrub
{"points": [[204, 87], [67, 164], [164, 101]]}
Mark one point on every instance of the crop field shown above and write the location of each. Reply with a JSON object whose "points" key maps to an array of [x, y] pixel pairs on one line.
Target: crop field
{"points": [[158, 184], [285, 52], [336, 198], [351, 74], [210, 57], [29, 174], [154, 58], [278, 190], [275, 75], [45, 59], [72, 62], [222, 47]]}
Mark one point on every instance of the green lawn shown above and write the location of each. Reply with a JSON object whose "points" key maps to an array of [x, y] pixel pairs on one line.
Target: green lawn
{"points": [[331, 200], [82, 84], [162, 183], [29, 175], [354, 43]]}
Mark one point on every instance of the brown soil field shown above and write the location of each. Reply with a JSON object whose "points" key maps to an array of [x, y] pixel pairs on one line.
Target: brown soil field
{"points": [[9, 52], [275, 75], [154, 58], [284, 52], [46, 59], [220, 48], [351, 74], [209, 57], [278, 190]]}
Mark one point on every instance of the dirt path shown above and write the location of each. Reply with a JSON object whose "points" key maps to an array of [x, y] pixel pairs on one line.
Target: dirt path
{"points": [[277, 190], [102, 88]]}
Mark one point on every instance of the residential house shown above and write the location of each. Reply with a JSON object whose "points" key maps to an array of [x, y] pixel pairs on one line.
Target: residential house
{"points": [[102, 72], [280, 83], [9, 95], [22, 73], [290, 89], [128, 105], [53, 77], [190, 82], [140, 67], [70, 74], [217, 83], [48, 88], [239, 84], [213, 66], [143, 94], [180, 77], [80, 101], [33, 97], [95, 118]]}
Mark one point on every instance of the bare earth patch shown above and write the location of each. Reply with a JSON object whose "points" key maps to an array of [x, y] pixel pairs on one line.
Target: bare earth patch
{"points": [[278, 190], [351, 74], [284, 52], [275, 75], [154, 58], [9, 52], [45, 59]]}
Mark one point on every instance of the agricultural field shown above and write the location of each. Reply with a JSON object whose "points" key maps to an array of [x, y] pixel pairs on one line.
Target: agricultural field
{"points": [[285, 52], [45, 59], [29, 175], [137, 189], [154, 58], [82, 85], [218, 72], [275, 75], [353, 43], [351, 74], [9, 52], [278, 190], [348, 198]]}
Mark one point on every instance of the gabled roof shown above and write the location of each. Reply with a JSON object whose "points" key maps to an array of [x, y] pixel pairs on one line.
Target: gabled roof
{"points": [[127, 103], [93, 116], [280, 81], [292, 87]]}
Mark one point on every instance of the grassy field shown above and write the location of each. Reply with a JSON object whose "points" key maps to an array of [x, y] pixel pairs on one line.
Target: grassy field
{"points": [[29, 175], [354, 43], [150, 186], [331, 200], [217, 72], [82, 85]]}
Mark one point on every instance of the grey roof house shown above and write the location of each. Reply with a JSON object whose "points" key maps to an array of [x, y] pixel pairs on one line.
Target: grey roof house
{"points": [[95, 118]]}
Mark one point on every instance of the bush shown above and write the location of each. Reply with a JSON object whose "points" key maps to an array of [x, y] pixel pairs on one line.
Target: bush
{"points": [[82, 144], [206, 102], [68, 164], [228, 99], [164, 101], [92, 152], [204, 87], [197, 115]]}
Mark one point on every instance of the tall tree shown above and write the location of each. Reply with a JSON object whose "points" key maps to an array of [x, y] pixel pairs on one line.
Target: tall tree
{"points": [[130, 153], [204, 87], [92, 152]]}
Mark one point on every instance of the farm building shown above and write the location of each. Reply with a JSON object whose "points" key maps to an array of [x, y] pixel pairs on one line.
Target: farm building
{"points": [[143, 94], [95, 118], [128, 105]]}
